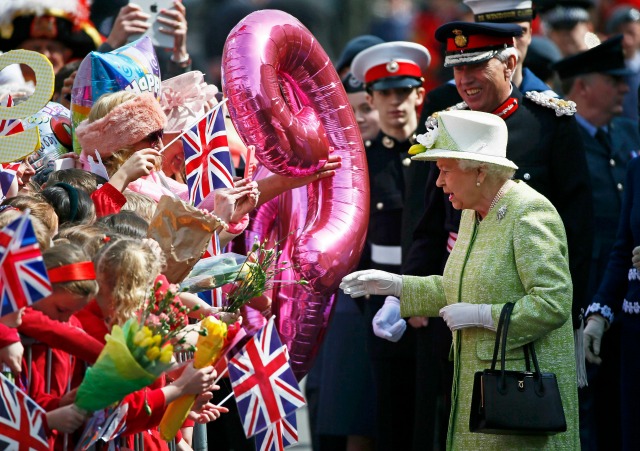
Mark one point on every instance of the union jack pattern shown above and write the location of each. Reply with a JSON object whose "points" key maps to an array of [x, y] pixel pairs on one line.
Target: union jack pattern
{"points": [[9, 126], [21, 420], [8, 172], [263, 384], [213, 297], [279, 435], [23, 276], [207, 157]]}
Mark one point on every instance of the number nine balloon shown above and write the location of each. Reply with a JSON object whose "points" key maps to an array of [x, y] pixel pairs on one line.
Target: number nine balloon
{"points": [[286, 98]]}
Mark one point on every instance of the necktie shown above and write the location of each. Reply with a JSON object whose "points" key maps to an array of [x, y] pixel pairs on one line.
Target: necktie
{"points": [[603, 138]]}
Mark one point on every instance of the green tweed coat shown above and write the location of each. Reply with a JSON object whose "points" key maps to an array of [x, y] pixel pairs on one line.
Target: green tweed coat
{"points": [[518, 253]]}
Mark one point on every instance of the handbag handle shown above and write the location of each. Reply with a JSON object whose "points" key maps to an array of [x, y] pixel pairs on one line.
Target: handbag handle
{"points": [[528, 349]]}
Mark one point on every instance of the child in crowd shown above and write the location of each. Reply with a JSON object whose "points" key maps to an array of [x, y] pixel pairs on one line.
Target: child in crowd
{"points": [[126, 269]]}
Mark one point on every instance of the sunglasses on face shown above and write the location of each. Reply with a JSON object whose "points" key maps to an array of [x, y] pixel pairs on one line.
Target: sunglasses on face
{"points": [[155, 137]]}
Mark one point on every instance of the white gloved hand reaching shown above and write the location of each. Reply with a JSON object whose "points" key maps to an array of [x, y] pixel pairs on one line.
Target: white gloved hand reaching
{"points": [[387, 323], [593, 332], [463, 315], [372, 281]]}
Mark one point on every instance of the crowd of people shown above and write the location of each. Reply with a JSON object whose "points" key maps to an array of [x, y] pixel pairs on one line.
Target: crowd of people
{"points": [[501, 141]]}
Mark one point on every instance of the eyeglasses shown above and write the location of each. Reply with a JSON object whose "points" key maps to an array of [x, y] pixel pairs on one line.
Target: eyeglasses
{"points": [[155, 137]]}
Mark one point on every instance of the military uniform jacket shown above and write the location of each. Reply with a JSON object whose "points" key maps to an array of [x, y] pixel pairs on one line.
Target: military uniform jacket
{"points": [[607, 161], [551, 159], [519, 255], [620, 287], [390, 180]]}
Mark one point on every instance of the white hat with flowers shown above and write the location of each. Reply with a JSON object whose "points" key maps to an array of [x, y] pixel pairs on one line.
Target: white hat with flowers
{"points": [[464, 135]]}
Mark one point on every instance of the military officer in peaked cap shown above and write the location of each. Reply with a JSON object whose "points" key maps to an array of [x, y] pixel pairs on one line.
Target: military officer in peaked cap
{"points": [[544, 141], [392, 74], [595, 80]]}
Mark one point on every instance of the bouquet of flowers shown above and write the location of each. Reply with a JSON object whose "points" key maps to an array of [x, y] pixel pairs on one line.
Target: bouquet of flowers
{"points": [[213, 272], [214, 341], [257, 275], [135, 354]]}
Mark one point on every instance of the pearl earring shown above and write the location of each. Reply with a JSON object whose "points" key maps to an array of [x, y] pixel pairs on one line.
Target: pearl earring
{"points": [[478, 183]]}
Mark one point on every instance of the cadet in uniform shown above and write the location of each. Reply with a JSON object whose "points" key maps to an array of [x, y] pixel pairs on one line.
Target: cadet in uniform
{"points": [[595, 81], [392, 74]]}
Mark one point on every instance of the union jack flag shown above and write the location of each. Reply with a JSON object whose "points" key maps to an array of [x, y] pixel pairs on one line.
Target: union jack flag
{"points": [[279, 435], [105, 425], [207, 157], [9, 126], [264, 386], [8, 172], [212, 297], [23, 275], [21, 420]]}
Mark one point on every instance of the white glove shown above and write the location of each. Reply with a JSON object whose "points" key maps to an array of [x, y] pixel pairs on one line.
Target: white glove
{"points": [[593, 332], [388, 323], [635, 259], [372, 281], [463, 315]]}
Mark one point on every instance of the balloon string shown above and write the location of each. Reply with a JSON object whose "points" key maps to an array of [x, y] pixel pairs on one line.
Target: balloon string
{"points": [[185, 130]]}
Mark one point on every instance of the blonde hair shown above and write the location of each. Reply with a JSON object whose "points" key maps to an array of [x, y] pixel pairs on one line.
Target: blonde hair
{"points": [[108, 102], [100, 109], [43, 235], [67, 254], [91, 237], [128, 267], [140, 203], [39, 207]]}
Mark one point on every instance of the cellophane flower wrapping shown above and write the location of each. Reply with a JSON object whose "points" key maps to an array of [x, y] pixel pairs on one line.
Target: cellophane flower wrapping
{"points": [[122, 368], [258, 274], [213, 342], [214, 272], [137, 353]]}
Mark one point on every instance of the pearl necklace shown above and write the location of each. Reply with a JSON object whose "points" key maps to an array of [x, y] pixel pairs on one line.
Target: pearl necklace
{"points": [[501, 192]]}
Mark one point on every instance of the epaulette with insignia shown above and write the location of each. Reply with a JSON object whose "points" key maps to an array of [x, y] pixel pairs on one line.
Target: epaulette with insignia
{"points": [[432, 121], [561, 106]]}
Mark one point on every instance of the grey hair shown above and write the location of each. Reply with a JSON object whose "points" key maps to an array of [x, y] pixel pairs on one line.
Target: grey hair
{"points": [[493, 171], [503, 55]]}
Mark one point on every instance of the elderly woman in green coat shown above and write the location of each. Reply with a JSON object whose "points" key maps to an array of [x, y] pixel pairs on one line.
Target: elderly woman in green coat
{"points": [[511, 247]]}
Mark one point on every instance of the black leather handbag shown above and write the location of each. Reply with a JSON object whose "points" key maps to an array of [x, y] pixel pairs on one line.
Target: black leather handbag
{"points": [[515, 402]]}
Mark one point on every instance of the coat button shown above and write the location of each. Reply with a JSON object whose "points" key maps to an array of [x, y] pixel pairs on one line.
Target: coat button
{"points": [[379, 205], [619, 186], [526, 176], [612, 162], [406, 162]]}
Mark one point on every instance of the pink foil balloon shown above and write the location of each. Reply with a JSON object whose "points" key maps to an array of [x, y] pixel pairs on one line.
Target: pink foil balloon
{"points": [[282, 85], [286, 98]]}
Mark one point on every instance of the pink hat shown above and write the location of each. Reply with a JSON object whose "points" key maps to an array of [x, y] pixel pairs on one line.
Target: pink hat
{"points": [[185, 99], [126, 124]]}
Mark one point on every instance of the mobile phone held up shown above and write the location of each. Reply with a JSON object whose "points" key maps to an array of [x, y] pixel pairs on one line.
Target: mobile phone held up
{"points": [[153, 8]]}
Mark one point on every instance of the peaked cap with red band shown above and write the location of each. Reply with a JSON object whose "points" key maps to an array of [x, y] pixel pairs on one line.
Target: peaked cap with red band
{"points": [[472, 42], [390, 65]]}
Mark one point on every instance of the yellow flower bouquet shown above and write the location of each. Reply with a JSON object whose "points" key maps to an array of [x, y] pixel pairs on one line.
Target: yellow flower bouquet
{"points": [[213, 342], [135, 354]]}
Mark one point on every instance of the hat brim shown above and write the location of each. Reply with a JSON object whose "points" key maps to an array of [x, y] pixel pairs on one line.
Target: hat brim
{"points": [[625, 72], [435, 154], [460, 59], [394, 82]]}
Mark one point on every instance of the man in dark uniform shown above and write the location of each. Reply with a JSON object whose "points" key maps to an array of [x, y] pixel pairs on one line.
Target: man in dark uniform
{"points": [[544, 142], [595, 81], [392, 73]]}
